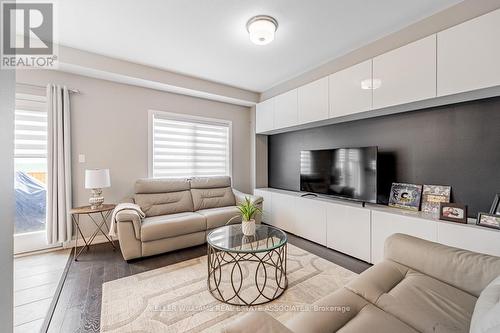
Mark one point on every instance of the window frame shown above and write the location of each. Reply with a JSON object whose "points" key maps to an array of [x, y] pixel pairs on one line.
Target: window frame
{"points": [[187, 117]]}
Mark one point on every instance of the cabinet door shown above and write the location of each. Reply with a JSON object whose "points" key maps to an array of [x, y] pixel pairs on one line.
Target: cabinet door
{"points": [[313, 101], [468, 55], [406, 74], [385, 224], [285, 110], [351, 90], [311, 219], [267, 205], [283, 212], [264, 116], [470, 238], [348, 230]]}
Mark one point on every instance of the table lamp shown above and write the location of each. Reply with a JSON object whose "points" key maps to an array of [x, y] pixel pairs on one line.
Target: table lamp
{"points": [[96, 180]]}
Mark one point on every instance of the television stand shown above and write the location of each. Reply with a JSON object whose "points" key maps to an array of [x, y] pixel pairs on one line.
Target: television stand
{"points": [[309, 194]]}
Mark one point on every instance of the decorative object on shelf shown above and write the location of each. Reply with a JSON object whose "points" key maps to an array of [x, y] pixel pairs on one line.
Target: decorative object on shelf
{"points": [[433, 196], [488, 220], [96, 180], [495, 207], [453, 212], [405, 196], [247, 212]]}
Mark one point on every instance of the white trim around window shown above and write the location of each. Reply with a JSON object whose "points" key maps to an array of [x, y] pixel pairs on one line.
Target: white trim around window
{"points": [[207, 134]]}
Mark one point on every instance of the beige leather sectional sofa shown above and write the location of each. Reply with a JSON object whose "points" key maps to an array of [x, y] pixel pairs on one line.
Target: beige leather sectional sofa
{"points": [[178, 213], [420, 287]]}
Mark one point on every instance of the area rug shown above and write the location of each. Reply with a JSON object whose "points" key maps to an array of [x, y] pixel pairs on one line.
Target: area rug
{"points": [[175, 298]]}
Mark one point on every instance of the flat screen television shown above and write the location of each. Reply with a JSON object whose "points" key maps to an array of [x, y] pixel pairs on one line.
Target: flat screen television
{"points": [[349, 173]]}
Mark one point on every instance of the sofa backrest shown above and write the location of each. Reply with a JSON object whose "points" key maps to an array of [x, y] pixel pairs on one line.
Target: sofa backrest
{"points": [[211, 192], [162, 196], [466, 270]]}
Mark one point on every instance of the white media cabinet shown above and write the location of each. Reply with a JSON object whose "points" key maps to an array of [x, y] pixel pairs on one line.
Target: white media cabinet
{"points": [[359, 231]]}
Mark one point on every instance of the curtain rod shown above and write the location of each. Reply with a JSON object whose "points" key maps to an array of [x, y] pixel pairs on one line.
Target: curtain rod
{"points": [[74, 91]]}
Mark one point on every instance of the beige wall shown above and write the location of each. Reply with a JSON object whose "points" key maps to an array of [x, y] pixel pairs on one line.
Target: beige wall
{"points": [[110, 126]]}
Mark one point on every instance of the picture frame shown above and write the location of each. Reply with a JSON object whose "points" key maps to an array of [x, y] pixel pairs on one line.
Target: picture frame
{"points": [[488, 220], [405, 196], [453, 212], [495, 206], [432, 196]]}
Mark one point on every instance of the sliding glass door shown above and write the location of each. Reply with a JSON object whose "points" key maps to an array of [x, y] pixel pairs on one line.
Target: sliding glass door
{"points": [[30, 166]]}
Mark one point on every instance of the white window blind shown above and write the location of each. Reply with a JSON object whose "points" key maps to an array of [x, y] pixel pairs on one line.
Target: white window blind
{"points": [[30, 126], [185, 146]]}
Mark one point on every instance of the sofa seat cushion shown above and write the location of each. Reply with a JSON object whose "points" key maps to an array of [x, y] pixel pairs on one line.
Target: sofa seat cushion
{"points": [[159, 227], [346, 312], [217, 217], [156, 204], [422, 302]]}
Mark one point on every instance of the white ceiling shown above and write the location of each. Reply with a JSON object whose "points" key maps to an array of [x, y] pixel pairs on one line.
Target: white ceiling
{"points": [[208, 39]]}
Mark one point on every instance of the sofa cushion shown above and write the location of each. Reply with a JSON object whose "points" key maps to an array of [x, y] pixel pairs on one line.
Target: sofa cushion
{"points": [[346, 312], [466, 270], [212, 198], [165, 226], [422, 302], [217, 217], [486, 317], [210, 182], [155, 204], [161, 185]]}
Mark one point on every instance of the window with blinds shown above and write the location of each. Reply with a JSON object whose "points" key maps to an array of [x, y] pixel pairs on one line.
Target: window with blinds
{"points": [[30, 162], [30, 127], [188, 146]]}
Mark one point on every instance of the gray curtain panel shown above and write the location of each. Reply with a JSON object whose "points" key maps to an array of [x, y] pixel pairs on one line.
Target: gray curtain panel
{"points": [[58, 165]]}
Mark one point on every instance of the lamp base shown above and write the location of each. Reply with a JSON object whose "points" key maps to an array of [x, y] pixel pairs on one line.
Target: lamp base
{"points": [[96, 200]]}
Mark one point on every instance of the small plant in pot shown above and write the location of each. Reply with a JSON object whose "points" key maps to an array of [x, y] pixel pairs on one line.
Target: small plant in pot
{"points": [[247, 209]]}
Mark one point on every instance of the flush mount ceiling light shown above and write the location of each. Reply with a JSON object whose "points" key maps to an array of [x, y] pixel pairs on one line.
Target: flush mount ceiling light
{"points": [[262, 29]]}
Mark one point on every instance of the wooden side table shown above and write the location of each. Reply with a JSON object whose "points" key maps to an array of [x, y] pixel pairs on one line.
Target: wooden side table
{"points": [[104, 211]]}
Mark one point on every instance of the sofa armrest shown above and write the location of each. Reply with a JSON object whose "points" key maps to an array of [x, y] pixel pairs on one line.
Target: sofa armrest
{"points": [[255, 322], [240, 197], [132, 217], [466, 270]]}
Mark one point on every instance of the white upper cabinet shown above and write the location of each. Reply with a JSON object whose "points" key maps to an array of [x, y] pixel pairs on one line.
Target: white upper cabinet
{"points": [[264, 116], [350, 90], [285, 109], [468, 55], [313, 101], [406, 74]]}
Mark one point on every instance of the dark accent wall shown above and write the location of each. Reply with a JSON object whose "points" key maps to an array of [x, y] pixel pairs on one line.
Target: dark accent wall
{"points": [[457, 145]]}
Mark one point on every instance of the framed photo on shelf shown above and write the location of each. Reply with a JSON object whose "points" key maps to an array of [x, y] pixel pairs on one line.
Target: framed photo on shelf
{"points": [[432, 196], [405, 196], [495, 206], [488, 220], [453, 212]]}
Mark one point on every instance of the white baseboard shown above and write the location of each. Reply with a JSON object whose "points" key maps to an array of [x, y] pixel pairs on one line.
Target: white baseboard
{"points": [[97, 240]]}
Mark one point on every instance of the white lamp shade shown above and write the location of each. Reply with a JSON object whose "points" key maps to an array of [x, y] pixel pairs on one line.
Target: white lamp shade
{"points": [[97, 178]]}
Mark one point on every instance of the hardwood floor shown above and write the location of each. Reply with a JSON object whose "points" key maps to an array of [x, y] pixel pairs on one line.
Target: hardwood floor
{"points": [[36, 280], [79, 305]]}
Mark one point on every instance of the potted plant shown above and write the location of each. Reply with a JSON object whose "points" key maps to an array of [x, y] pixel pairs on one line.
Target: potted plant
{"points": [[247, 209]]}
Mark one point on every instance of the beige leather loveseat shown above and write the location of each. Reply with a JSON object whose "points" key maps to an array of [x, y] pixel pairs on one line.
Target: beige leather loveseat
{"points": [[420, 287], [178, 213]]}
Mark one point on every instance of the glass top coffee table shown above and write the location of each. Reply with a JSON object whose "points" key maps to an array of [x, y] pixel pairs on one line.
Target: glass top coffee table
{"points": [[247, 270]]}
